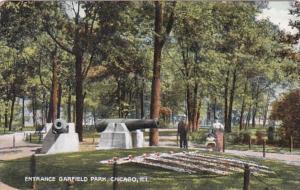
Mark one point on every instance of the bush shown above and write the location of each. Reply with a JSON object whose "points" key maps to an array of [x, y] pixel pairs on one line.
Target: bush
{"points": [[260, 136], [199, 136], [164, 124], [287, 110]]}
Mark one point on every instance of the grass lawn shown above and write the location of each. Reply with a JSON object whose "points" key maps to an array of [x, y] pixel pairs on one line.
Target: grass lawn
{"points": [[4, 132], [35, 138], [85, 164], [18, 129]]}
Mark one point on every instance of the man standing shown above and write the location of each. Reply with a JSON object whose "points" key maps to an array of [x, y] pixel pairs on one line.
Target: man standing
{"points": [[182, 132]]}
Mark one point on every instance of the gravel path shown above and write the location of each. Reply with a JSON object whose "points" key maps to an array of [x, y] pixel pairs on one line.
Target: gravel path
{"points": [[21, 149], [288, 158], [6, 141], [6, 187]]}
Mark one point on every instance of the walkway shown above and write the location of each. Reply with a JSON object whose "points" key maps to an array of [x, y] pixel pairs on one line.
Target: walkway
{"points": [[288, 158], [21, 149]]}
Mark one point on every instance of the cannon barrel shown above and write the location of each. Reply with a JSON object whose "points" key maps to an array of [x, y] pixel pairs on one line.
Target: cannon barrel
{"points": [[131, 124], [60, 126]]}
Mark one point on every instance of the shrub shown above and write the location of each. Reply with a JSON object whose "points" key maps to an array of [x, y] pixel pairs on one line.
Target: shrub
{"points": [[287, 110]]}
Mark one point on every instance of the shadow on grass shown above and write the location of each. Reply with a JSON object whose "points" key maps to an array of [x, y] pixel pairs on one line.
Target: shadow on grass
{"points": [[86, 164]]}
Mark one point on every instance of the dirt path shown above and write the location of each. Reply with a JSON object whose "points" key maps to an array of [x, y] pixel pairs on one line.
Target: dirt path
{"points": [[288, 158], [21, 149], [6, 141], [6, 187]]}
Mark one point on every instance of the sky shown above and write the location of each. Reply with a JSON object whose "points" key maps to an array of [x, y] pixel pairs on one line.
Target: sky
{"points": [[278, 13]]}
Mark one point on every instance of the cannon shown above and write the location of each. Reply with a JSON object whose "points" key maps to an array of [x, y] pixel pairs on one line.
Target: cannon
{"points": [[60, 137], [60, 126], [131, 124]]}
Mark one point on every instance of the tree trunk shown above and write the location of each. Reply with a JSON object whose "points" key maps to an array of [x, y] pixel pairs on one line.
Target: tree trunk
{"points": [[208, 117], [248, 116], [195, 108], [54, 90], [119, 96], [243, 105], [142, 100], [12, 107], [23, 112], [43, 109], [46, 110], [59, 100], [79, 94], [94, 116], [266, 110], [232, 92], [155, 88], [33, 103], [159, 40], [226, 101], [69, 104], [253, 117], [242, 114], [189, 106], [214, 108], [85, 117], [198, 112], [49, 119], [6, 115], [74, 112], [255, 106]]}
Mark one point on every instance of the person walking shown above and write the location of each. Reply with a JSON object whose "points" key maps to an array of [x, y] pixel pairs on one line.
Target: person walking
{"points": [[182, 131]]}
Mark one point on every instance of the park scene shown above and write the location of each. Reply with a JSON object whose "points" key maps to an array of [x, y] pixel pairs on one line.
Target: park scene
{"points": [[149, 95]]}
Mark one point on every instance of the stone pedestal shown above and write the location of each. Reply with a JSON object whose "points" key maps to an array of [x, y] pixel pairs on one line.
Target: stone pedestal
{"points": [[219, 134], [46, 129], [116, 135], [137, 139], [59, 143]]}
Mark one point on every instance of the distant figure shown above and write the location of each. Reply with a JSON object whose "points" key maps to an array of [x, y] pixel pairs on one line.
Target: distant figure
{"points": [[182, 132], [218, 131], [218, 125]]}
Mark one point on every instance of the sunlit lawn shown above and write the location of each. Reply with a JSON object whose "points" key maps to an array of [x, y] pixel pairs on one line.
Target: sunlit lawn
{"points": [[86, 164]]}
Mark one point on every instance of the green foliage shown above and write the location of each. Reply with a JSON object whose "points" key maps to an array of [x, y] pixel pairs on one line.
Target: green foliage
{"points": [[115, 41], [287, 110]]}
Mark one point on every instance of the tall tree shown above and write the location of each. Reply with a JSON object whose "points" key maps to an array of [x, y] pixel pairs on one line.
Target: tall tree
{"points": [[86, 28], [162, 29]]}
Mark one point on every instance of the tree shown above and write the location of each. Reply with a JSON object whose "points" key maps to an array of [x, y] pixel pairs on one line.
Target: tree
{"points": [[287, 110], [85, 37], [162, 29], [295, 23], [195, 33]]}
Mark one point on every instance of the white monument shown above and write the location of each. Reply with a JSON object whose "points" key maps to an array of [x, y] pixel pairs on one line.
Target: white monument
{"points": [[137, 139], [219, 136], [116, 135], [218, 125], [60, 137]]}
